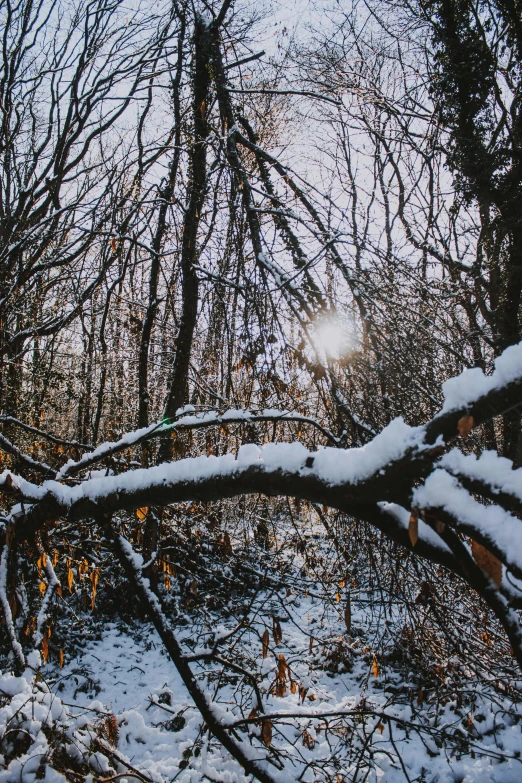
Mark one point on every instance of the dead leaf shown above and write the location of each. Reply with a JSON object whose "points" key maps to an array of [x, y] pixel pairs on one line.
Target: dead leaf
{"points": [[348, 614], [266, 733], [42, 587], [45, 649], [490, 564], [282, 667], [60, 658], [308, 740], [413, 528], [277, 632], [114, 245], [375, 667], [141, 513], [111, 725], [465, 425]]}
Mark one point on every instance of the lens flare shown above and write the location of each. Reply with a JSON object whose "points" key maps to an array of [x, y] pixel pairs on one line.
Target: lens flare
{"points": [[332, 338]]}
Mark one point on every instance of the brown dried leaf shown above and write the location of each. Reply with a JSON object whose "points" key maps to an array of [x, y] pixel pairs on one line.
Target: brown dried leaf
{"points": [[42, 587], [348, 614], [111, 725], [308, 740], [266, 733], [45, 649], [465, 425], [141, 513], [375, 667], [70, 578], [95, 573], [282, 667], [60, 658], [83, 567], [413, 528], [490, 564], [277, 632]]}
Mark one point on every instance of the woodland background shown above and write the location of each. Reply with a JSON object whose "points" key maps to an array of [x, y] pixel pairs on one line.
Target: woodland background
{"points": [[234, 223]]}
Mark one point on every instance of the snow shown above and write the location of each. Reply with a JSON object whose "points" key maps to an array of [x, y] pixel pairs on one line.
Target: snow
{"points": [[489, 468], [463, 390], [330, 465], [125, 671], [129, 675], [426, 533], [442, 490]]}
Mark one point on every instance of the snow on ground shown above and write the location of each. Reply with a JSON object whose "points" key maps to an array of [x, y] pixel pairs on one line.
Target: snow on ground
{"points": [[127, 673]]}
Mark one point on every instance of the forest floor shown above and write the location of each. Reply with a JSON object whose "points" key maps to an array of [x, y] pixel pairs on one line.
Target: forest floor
{"points": [[127, 673]]}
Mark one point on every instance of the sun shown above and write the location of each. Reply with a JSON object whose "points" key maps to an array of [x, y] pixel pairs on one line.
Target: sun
{"points": [[332, 337]]}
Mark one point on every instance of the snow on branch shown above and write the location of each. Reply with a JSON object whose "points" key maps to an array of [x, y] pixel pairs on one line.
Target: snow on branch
{"points": [[186, 422]]}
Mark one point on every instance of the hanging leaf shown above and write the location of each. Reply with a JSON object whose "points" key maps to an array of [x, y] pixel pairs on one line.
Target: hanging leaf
{"points": [[413, 528], [55, 557], [114, 246], [95, 573], [465, 425], [380, 727], [266, 733], [282, 667], [277, 632], [141, 513], [70, 578], [45, 649], [83, 567], [42, 587], [311, 644], [60, 658], [375, 667], [266, 642], [348, 614], [490, 564]]}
